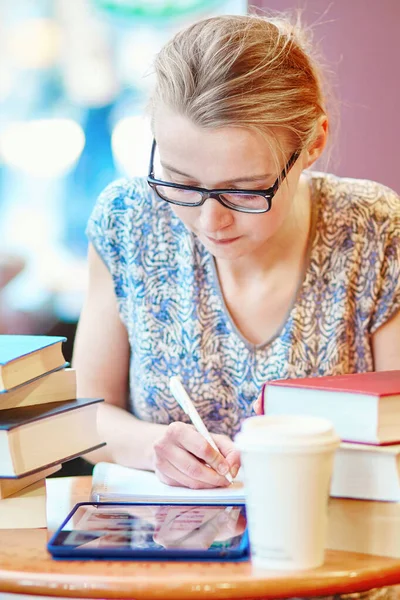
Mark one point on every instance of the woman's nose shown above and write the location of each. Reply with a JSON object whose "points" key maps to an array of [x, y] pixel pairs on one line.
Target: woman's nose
{"points": [[214, 216]]}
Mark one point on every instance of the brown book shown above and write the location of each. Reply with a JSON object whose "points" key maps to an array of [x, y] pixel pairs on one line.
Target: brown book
{"points": [[364, 526], [26, 509], [37, 436], [10, 486], [25, 357], [56, 386]]}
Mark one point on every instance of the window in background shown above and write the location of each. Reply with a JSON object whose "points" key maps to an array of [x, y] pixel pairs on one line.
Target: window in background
{"points": [[74, 77]]}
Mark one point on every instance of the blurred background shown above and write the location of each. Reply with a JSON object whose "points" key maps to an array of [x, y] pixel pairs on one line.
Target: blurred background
{"points": [[74, 77]]}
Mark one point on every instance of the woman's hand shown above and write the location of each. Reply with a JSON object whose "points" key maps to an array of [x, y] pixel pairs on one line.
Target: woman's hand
{"points": [[182, 457], [258, 405]]}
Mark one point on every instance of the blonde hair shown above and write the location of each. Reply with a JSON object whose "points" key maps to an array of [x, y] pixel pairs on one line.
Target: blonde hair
{"points": [[243, 71]]}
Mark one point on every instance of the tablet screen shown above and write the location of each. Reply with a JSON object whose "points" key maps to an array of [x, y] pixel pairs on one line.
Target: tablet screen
{"points": [[141, 528]]}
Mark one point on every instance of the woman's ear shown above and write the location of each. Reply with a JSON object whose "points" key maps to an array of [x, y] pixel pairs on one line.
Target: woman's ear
{"points": [[317, 146]]}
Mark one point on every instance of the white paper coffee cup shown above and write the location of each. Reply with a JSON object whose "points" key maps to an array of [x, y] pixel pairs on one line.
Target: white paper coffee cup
{"points": [[287, 467]]}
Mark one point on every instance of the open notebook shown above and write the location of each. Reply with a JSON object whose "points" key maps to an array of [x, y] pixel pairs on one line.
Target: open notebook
{"points": [[113, 483]]}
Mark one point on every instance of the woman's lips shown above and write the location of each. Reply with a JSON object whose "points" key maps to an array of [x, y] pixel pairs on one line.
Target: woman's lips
{"points": [[222, 242]]}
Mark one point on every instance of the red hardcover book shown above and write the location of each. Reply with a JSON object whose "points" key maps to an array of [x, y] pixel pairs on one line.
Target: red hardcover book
{"points": [[363, 407]]}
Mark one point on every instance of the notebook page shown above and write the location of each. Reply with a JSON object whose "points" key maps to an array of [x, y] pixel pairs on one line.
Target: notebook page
{"points": [[114, 483]]}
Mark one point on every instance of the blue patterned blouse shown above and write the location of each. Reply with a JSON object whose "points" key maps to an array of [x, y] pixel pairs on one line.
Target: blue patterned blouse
{"points": [[171, 304]]}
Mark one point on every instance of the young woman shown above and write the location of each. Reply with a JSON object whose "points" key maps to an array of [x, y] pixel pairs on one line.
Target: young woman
{"points": [[232, 264]]}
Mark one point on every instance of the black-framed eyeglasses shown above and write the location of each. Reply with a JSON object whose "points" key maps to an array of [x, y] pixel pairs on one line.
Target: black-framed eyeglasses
{"points": [[247, 201]]}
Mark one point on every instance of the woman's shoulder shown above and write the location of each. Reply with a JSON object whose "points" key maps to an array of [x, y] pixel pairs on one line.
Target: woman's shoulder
{"points": [[124, 193], [129, 219], [360, 200], [336, 187], [125, 202]]}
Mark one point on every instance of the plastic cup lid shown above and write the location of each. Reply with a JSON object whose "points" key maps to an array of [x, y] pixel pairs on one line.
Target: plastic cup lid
{"points": [[286, 431]]}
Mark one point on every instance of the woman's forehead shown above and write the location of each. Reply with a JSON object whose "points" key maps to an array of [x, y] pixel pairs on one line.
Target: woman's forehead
{"points": [[212, 153]]}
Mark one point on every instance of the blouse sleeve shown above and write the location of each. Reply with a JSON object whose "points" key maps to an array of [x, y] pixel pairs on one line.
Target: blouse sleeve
{"points": [[387, 301], [103, 228]]}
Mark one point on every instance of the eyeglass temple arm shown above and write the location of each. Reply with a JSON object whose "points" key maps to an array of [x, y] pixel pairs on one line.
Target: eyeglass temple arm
{"points": [[151, 164], [287, 168]]}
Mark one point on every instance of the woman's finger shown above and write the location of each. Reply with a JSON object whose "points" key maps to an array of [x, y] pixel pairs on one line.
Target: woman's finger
{"points": [[186, 470], [229, 451], [196, 452]]}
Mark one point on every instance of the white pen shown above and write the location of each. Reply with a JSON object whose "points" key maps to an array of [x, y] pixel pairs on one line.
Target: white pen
{"points": [[182, 398]]}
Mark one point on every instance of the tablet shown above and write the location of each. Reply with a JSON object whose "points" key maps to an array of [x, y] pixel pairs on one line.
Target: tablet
{"points": [[142, 531]]}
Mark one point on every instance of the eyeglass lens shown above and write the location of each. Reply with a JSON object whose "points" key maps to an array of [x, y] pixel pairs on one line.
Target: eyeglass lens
{"points": [[186, 196]]}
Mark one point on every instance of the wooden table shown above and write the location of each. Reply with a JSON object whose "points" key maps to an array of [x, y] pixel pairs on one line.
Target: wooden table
{"points": [[26, 568]]}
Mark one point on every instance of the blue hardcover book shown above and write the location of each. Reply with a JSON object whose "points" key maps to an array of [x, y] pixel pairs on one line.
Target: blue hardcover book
{"points": [[35, 437], [25, 357]]}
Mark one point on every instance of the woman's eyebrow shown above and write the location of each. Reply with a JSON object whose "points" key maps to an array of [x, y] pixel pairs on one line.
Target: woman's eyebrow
{"points": [[173, 170], [237, 180]]}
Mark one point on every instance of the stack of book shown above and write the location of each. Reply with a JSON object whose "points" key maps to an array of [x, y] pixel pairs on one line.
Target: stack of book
{"points": [[42, 424], [365, 411]]}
